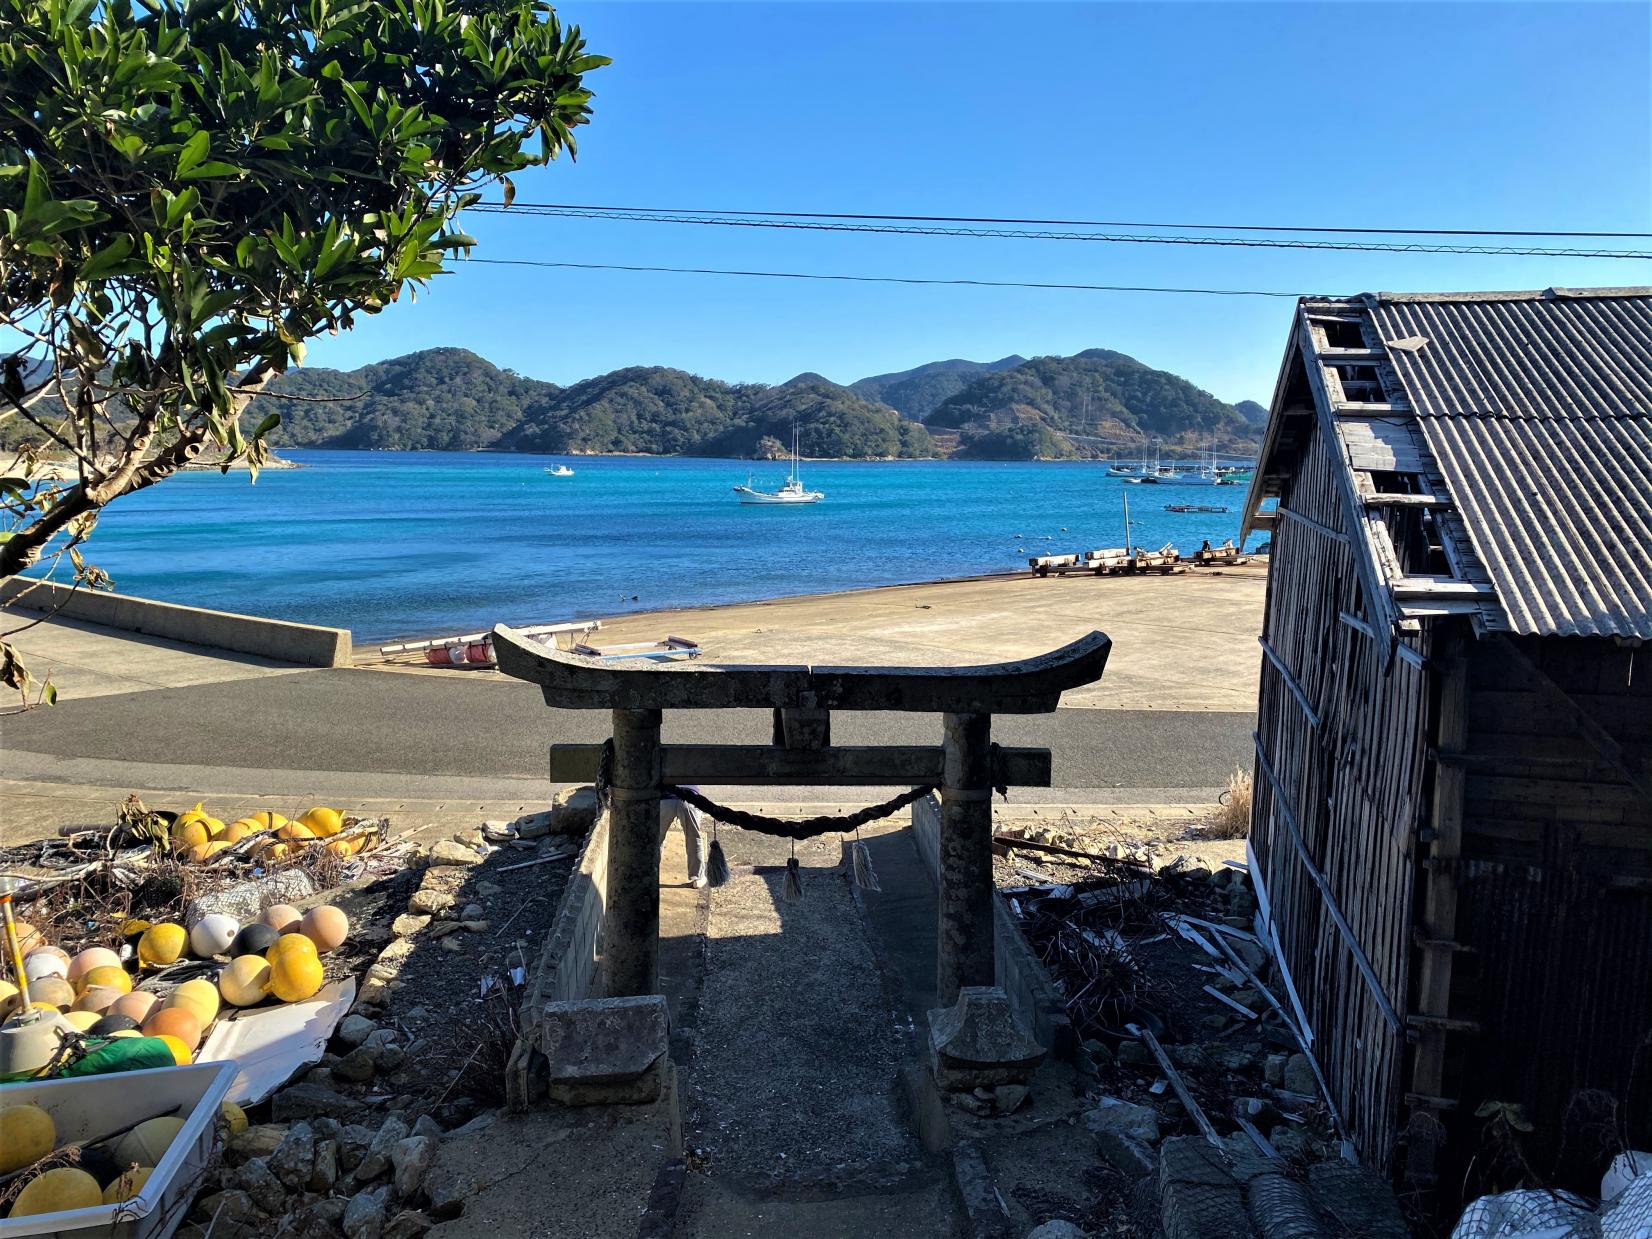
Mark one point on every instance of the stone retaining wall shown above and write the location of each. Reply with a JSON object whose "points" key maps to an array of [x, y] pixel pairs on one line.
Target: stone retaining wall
{"points": [[1033, 996], [568, 965], [307, 644]]}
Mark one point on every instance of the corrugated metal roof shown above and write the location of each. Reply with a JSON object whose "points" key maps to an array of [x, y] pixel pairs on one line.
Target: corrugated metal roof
{"points": [[1538, 410]]}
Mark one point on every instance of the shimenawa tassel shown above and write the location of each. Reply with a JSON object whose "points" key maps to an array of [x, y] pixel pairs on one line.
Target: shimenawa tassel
{"points": [[865, 876], [791, 890], [717, 873]]}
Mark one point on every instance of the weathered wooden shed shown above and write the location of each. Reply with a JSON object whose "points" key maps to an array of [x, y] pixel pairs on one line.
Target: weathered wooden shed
{"points": [[1452, 825]]}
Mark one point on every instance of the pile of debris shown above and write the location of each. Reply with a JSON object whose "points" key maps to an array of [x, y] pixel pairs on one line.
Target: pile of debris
{"points": [[1202, 1092]]}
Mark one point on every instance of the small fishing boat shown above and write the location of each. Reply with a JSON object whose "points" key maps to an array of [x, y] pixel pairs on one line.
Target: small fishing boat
{"points": [[561, 471], [791, 492], [1194, 507]]}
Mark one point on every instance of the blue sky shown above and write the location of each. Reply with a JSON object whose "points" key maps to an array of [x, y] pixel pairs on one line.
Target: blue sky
{"points": [[1515, 115]]}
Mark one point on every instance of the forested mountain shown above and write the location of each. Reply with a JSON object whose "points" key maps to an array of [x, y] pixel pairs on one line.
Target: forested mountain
{"points": [[1253, 413], [917, 391], [1097, 393], [443, 399], [451, 399]]}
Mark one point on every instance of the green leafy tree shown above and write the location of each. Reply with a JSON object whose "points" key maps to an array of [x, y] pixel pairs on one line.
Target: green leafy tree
{"points": [[189, 191]]}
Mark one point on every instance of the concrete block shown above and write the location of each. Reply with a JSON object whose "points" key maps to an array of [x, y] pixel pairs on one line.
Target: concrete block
{"points": [[605, 1050]]}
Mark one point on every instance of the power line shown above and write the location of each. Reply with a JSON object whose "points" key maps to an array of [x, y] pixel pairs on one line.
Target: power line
{"points": [[655, 216], [888, 279], [1076, 223]]}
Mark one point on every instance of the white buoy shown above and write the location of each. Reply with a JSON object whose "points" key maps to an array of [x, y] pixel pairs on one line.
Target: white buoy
{"points": [[212, 934]]}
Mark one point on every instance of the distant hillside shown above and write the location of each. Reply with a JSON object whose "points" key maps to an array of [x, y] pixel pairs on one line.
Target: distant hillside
{"points": [[1031, 408], [1253, 413], [917, 391], [443, 399], [451, 399]]}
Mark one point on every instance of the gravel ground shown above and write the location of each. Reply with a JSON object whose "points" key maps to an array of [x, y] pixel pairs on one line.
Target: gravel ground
{"points": [[795, 1050]]}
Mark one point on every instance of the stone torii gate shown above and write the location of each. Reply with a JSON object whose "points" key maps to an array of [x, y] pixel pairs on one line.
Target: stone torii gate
{"points": [[966, 766]]}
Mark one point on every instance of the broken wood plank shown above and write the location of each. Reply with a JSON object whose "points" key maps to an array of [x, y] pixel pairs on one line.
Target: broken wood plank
{"points": [[1146, 1037], [1240, 1007]]}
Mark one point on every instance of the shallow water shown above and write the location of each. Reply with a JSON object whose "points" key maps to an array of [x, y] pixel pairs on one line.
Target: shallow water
{"points": [[400, 543]]}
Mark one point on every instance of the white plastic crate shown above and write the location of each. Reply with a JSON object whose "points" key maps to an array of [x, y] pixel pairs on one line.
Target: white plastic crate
{"points": [[93, 1106]]}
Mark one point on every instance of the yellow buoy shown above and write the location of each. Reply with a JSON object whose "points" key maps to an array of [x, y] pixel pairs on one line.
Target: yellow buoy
{"points": [[162, 944], [147, 1143], [127, 1185], [323, 821], [27, 1134], [237, 831], [189, 835], [295, 975], [111, 975], [246, 982], [198, 813], [181, 1053], [268, 821], [292, 942], [133, 927], [234, 1118], [83, 1020], [10, 999], [57, 1191], [199, 997]]}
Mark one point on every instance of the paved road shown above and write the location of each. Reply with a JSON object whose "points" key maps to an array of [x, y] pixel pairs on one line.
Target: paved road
{"points": [[386, 723]]}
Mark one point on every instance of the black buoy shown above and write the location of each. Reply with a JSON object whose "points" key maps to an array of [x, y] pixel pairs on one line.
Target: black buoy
{"points": [[254, 939], [111, 1024]]}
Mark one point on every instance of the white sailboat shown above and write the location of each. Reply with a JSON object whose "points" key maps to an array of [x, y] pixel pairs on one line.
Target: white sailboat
{"points": [[561, 471], [791, 492]]}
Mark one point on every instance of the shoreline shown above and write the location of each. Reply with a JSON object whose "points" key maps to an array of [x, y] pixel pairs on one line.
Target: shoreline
{"points": [[1186, 641]]}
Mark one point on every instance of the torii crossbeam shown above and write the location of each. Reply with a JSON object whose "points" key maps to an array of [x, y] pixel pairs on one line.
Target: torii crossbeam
{"points": [[965, 766]]}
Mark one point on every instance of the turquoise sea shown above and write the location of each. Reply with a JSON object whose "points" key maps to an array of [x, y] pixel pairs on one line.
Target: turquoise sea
{"points": [[430, 543]]}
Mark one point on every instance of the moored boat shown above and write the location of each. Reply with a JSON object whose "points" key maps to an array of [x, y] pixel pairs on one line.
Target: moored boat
{"points": [[792, 491]]}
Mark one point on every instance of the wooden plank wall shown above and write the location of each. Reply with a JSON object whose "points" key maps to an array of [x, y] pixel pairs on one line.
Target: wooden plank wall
{"points": [[1350, 765], [1555, 889]]}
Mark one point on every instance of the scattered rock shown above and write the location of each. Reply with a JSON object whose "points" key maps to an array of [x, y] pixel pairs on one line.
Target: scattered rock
{"points": [[1250, 954], [354, 1029], [1100, 1055], [473, 912], [1133, 1054], [294, 1158], [1057, 1229], [1007, 1098], [573, 812], [259, 1141], [233, 1205], [358, 1065], [411, 1158], [1299, 1076], [325, 1172], [310, 1098], [427, 1126], [452, 945], [1291, 1142], [488, 890], [408, 1224], [353, 1143], [475, 927], [408, 924], [1231, 1057], [443, 928], [429, 901], [1273, 1070], [376, 1161], [1126, 1118], [364, 1214], [1129, 1157], [388, 1059], [261, 1186], [447, 852], [319, 1220]]}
